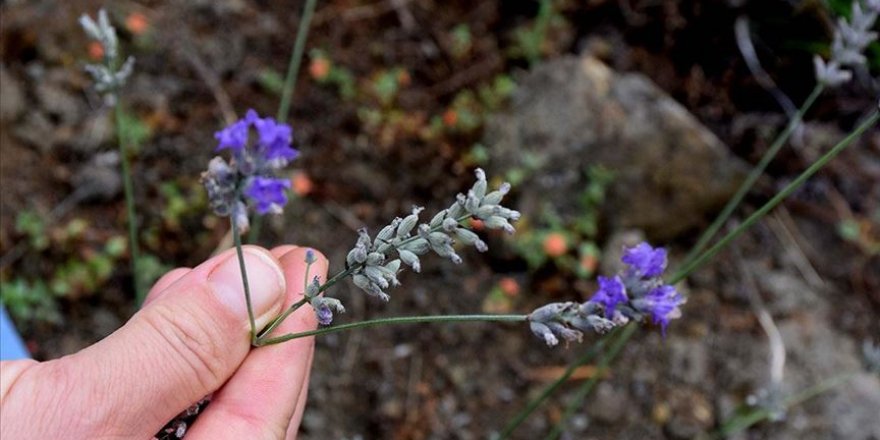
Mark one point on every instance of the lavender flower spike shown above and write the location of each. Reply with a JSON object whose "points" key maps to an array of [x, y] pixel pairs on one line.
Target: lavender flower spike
{"points": [[635, 294], [366, 261], [250, 175]]}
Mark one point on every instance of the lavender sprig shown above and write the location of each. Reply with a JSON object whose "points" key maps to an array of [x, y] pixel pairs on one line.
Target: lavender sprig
{"points": [[109, 76], [369, 265], [249, 178], [635, 294], [851, 37]]}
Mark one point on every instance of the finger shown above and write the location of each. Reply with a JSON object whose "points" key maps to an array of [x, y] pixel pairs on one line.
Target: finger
{"points": [[164, 283], [279, 251], [181, 347], [296, 420], [260, 399]]}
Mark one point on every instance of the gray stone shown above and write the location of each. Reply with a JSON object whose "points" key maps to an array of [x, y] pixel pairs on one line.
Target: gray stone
{"points": [[572, 113], [59, 102], [609, 405]]}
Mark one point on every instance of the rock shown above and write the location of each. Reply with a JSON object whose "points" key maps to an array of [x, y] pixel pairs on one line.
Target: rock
{"points": [[691, 413], [689, 360], [59, 102], [11, 96], [99, 179], [573, 113], [609, 405]]}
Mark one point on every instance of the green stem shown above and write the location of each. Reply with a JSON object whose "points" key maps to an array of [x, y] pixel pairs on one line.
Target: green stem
{"points": [[395, 320], [551, 388], [753, 176], [280, 318], [236, 236], [744, 421], [293, 66], [776, 200], [587, 387], [295, 59], [128, 188]]}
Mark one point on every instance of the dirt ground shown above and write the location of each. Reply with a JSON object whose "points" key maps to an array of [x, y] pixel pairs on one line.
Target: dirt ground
{"points": [[395, 124]]}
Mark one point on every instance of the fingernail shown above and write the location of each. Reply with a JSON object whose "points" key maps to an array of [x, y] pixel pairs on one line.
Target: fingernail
{"points": [[265, 279]]}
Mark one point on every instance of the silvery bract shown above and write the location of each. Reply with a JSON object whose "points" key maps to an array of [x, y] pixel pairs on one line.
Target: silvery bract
{"points": [[372, 269], [110, 76], [850, 40]]}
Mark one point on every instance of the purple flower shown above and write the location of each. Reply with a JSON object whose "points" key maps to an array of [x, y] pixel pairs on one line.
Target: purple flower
{"points": [[662, 303], [272, 149], [611, 293], [645, 260], [324, 314], [324, 308], [268, 194], [234, 136]]}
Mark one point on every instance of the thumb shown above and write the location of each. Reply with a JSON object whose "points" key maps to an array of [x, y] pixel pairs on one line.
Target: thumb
{"points": [[176, 350]]}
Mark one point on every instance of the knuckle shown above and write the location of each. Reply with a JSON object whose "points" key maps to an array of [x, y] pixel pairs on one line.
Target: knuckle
{"points": [[194, 340]]}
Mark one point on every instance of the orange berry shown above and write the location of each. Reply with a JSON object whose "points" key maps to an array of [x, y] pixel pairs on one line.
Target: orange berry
{"points": [[319, 68], [555, 244], [302, 184], [450, 117], [589, 263], [403, 78], [509, 286], [477, 224], [137, 23], [96, 51]]}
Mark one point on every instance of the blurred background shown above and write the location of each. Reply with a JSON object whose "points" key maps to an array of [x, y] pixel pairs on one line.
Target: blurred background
{"points": [[616, 121]]}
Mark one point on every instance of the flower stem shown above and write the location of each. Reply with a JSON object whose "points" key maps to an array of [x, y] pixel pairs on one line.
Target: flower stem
{"points": [[776, 200], [587, 386], [296, 59], [743, 421], [236, 236], [394, 320], [753, 176], [293, 66], [551, 388], [128, 188]]}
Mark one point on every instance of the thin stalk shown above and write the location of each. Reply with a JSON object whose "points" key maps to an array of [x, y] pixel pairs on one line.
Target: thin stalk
{"points": [[551, 388], [293, 66], [244, 279], [392, 321], [587, 386], [296, 59], [280, 318], [128, 188], [753, 176], [744, 421], [776, 200]]}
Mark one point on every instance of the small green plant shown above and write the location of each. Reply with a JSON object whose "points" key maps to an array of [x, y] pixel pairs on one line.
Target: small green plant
{"points": [[530, 42], [30, 302], [570, 245], [323, 70], [31, 225]]}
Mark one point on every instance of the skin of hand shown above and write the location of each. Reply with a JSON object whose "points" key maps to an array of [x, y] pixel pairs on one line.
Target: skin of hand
{"points": [[190, 338]]}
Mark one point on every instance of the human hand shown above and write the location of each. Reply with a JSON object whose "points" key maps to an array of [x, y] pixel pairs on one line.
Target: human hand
{"points": [[190, 338]]}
